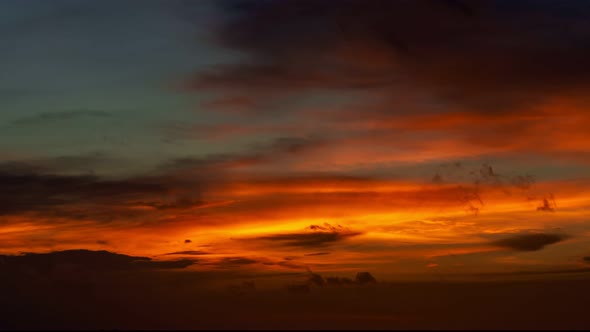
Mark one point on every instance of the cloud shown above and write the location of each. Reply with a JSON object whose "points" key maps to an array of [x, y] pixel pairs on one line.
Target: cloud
{"points": [[427, 79], [317, 254], [315, 279], [188, 252], [55, 198], [363, 278], [87, 260], [49, 117], [250, 263], [299, 46], [309, 239], [548, 204], [32, 192], [529, 242], [232, 261]]}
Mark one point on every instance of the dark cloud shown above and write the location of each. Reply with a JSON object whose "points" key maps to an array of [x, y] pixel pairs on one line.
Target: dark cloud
{"points": [[586, 259], [288, 264], [48, 117], [248, 262], [548, 204], [311, 239], [26, 191], [315, 279], [475, 53], [529, 242], [187, 241], [232, 261], [84, 260], [189, 253], [317, 254], [42, 192], [363, 278], [317, 236]]}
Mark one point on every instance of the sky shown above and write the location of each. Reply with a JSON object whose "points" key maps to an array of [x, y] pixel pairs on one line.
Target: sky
{"points": [[288, 141]]}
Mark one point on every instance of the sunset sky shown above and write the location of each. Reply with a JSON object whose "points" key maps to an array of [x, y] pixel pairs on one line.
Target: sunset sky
{"points": [[415, 140]]}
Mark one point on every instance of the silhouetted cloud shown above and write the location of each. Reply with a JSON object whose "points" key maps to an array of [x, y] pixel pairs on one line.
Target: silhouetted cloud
{"points": [[312, 239], [231, 261], [363, 278], [548, 204], [317, 236], [317, 254], [84, 260], [189, 253], [315, 279], [529, 242], [89, 196], [33, 192]]}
